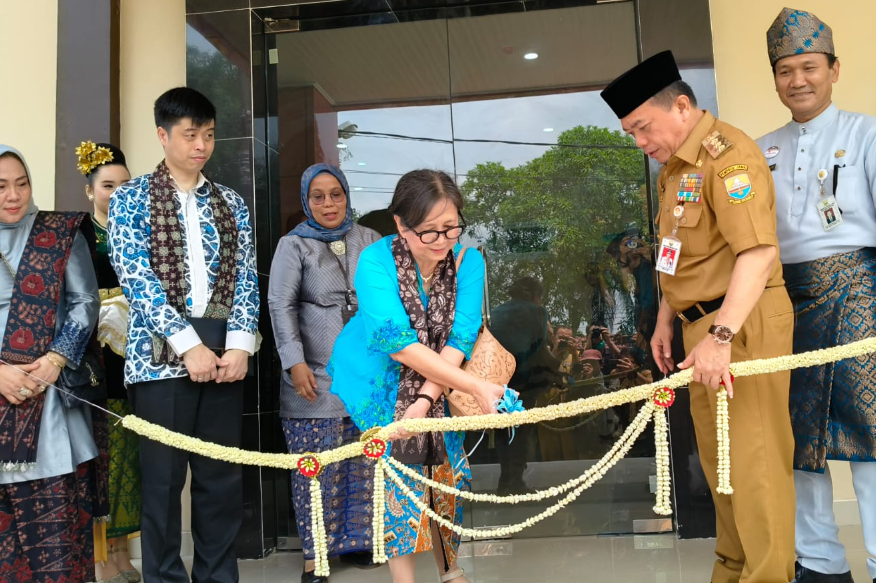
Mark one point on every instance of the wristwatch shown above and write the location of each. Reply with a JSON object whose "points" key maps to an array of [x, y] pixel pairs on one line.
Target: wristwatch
{"points": [[722, 334]]}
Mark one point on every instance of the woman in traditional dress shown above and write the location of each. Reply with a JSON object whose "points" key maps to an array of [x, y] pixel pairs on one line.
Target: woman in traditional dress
{"points": [[105, 168], [48, 309], [311, 296], [417, 320]]}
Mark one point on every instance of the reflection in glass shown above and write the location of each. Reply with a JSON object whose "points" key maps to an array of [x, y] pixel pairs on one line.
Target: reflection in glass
{"points": [[556, 198]]}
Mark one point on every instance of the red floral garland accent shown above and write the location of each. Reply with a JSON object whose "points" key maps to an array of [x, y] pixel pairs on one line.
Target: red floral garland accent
{"points": [[309, 466], [664, 397]]}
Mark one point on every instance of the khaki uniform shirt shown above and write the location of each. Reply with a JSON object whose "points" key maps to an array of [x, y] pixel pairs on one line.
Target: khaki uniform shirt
{"points": [[735, 211]]}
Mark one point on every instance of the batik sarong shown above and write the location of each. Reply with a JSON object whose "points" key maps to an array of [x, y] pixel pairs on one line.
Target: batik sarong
{"points": [[45, 529], [347, 486], [124, 472], [408, 530], [833, 406]]}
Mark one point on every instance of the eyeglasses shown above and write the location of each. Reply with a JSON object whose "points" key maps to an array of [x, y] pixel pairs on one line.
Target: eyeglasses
{"points": [[429, 237], [318, 199]]}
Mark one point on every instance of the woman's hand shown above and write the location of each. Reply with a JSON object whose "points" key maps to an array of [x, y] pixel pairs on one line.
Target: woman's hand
{"points": [[487, 396], [13, 379], [417, 410], [303, 381], [47, 372]]}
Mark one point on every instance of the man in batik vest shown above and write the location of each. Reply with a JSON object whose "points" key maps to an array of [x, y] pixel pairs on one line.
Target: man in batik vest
{"points": [[182, 248]]}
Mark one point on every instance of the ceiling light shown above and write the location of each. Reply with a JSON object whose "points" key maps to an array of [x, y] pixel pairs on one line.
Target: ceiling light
{"points": [[342, 146], [361, 163], [530, 56], [548, 129], [357, 188]]}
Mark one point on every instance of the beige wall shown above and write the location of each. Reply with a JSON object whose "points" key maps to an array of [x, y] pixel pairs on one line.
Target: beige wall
{"points": [[153, 59], [747, 97], [29, 68], [746, 94]]}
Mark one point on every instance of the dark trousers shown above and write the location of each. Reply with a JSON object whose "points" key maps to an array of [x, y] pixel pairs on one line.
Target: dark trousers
{"points": [[211, 412]]}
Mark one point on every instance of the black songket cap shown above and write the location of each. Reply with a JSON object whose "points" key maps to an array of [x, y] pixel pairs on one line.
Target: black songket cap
{"points": [[641, 83]]}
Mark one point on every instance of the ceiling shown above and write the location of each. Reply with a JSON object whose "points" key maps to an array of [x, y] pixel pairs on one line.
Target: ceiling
{"points": [[430, 60]]}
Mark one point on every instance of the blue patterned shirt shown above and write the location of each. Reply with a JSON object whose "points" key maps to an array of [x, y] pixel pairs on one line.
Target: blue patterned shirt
{"points": [[130, 254]]}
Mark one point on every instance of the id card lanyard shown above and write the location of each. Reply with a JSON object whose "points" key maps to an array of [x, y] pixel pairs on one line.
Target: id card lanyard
{"points": [[828, 209], [670, 246], [350, 293]]}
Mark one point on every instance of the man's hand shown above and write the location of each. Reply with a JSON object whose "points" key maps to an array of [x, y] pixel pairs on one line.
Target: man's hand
{"points": [[711, 364], [201, 363], [661, 347], [304, 381], [232, 366]]}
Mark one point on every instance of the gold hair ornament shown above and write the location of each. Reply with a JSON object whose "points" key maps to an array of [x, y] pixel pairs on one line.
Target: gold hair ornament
{"points": [[91, 156]]}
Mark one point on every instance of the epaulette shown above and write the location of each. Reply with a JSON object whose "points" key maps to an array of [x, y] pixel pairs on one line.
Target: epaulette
{"points": [[716, 144]]}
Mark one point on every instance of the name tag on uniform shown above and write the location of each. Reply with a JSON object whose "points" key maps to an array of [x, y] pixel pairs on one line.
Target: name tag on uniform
{"points": [[829, 213], [667, 258]]}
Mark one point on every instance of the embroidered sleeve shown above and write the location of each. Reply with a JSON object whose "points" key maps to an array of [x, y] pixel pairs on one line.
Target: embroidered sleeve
{"points": [[71, 342], [469, 302], [81, 303], [386, 324], [128, 242], [390, 338], [463, 341], [245, 311]]}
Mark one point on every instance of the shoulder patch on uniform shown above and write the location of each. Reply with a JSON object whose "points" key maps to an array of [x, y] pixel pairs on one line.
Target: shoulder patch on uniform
{"points": [[730, 169], [738, 187], [716, 144]]}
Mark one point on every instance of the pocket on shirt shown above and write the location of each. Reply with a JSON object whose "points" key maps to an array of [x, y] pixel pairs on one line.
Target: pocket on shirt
{"points": [[852, 189], [694, 240]]}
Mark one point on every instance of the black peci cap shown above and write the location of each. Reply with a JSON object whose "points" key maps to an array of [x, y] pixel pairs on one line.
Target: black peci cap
{"points": [[641, 83]]}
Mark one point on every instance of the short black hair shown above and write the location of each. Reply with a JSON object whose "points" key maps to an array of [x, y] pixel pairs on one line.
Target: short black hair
{"points": [[831, 59], [667, 96], [526, 288], [118, 160], [380, 221], [418, 191], [180, 103]]}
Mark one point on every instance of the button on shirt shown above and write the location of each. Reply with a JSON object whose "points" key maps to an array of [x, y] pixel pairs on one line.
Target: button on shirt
{"points": [[130, 254], [834, 138]]}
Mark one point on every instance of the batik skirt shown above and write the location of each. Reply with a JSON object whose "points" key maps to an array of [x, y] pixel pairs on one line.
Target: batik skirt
{"points": [[347, 487], [46, 529], [124, 472], [409, 530], [833, 406]]}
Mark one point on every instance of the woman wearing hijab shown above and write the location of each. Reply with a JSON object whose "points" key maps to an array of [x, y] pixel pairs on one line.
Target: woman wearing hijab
{"points": [[104, 166], [48, 492], [311, 296]]}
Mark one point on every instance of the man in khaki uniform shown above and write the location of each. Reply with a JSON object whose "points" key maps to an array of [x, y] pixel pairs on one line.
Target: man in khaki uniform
{"points": [[717, 227]]}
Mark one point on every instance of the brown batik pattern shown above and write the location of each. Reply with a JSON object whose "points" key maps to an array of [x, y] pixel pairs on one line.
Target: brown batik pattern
{"points": [[433, 326]]}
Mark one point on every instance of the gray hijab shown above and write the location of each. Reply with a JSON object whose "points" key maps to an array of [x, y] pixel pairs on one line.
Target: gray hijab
{"points": [[13, 236]]}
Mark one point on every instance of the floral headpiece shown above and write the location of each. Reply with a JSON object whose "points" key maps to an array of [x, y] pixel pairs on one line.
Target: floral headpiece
{"points": [[91, 156]]}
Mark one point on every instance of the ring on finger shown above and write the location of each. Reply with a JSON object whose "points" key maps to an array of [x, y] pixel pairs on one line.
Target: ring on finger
{"points": [[25, 392]]}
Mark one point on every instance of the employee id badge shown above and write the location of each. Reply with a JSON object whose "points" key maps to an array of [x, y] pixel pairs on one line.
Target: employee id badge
{"points": [[667, 258], [829, 212]]}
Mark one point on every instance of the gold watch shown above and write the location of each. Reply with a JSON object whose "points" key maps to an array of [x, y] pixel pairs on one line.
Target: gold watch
{"points": [[722, 334]]}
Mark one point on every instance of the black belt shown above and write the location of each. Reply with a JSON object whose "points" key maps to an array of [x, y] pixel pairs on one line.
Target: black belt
{"points": [[700, 309]]}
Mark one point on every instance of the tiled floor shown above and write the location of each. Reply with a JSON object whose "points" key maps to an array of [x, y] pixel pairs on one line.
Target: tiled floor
{"points": [[640, 559]]}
